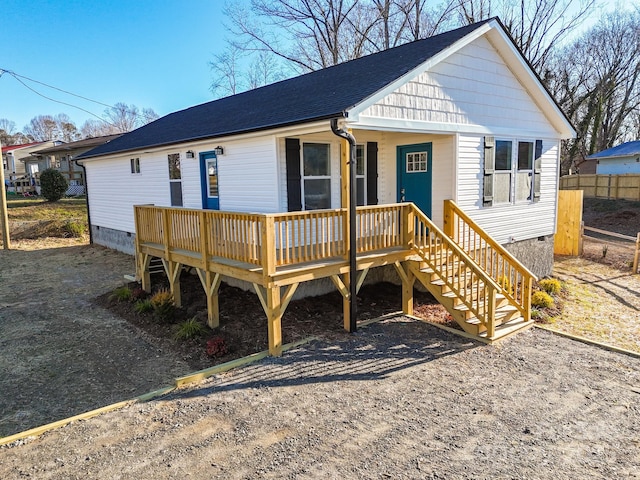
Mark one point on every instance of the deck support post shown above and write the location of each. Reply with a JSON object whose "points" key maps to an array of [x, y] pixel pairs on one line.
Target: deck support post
{"points": [[274, 305], [342, 284], [211, 284], [408, 280], [173, 270], [144, 260]]}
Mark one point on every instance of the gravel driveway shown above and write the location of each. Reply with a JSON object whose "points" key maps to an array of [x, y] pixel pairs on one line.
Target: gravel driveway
{"points": [[60, 355], [400, 399]]}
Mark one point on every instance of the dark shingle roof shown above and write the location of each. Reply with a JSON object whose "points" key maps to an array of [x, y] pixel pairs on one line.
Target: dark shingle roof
{"points": [[628, 149], [84, 143], [318, 95]]}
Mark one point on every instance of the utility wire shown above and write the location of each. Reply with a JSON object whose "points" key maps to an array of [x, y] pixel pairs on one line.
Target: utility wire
{"points": [[19, 78]]}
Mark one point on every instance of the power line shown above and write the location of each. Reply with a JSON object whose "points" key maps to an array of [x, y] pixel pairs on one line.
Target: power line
{"points": [[19, 78]]}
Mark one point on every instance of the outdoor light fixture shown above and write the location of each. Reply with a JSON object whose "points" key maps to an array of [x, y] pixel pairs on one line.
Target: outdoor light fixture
{"points": [[219, 150], [190, 154]]}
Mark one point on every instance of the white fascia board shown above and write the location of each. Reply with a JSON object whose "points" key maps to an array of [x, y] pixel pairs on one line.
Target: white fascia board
{"points": [[522, 71], [419, 126], [354, 112], [293, 130]]}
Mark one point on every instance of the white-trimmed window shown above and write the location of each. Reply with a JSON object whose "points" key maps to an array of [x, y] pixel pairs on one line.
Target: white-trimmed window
{"points": [[175, 179], [316, 176], [135, 165], [509, 171]]}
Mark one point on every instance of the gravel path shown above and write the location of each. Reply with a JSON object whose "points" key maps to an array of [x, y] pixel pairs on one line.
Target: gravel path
{"points": [[60, 355], [399, 399]]}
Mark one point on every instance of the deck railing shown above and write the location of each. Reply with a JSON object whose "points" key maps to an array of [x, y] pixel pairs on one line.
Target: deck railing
{"points": [[514, 279], [455, 269]]}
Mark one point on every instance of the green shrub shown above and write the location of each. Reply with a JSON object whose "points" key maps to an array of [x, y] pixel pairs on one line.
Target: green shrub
{"points": [[121, 294], [541, 299], [53, 185], [550, 285], [191, 328], [143, 306], [74, 229], [163, 305]]}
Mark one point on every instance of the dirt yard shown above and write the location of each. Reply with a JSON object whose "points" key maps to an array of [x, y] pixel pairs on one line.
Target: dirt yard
{"points": [[399, 399]]}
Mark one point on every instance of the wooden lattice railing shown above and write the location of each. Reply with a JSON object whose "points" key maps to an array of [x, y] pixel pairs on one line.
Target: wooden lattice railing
{"points": [[514, 279]]}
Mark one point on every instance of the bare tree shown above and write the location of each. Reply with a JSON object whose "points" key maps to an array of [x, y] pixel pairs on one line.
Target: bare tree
{"points": [[537, 26], [97, 128], [42, 128], [148, 116], [596, 81], [123, 117], [67, 130], [226, 71]]}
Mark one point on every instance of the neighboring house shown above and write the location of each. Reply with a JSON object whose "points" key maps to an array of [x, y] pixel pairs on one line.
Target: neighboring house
{"points": [[22, 177], [11, 156], [62, 156], [457, 117], [624, 158]]}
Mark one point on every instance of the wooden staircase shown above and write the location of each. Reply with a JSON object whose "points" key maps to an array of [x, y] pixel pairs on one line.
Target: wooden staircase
{"points": [[484, 288]]}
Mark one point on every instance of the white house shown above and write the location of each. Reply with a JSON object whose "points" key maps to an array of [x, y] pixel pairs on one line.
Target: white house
{"points": [[458, 116], [618, 160]]}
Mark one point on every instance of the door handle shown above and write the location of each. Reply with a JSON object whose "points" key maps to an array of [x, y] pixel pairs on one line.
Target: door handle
{"points": [[402, 193]]}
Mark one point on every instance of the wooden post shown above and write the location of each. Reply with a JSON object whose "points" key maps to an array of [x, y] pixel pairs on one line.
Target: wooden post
{"points": [[408, 279], [448, 219], [4, 215], [211, 284], [346, 304], [268, 248], [636, 257], [274, 319]]}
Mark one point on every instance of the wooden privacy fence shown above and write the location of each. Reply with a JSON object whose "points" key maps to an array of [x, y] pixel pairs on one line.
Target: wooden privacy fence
{"points": [[611, 187], [568, 239]]}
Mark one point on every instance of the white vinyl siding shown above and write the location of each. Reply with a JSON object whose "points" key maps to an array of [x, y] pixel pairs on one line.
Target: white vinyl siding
{"points": [[510, 222], [472, 87], [248, 181]]}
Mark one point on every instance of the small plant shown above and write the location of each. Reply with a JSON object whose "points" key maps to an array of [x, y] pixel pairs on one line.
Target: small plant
{"points": [[550, 285], [605, 249], [143, 306], [191, 328], [216, 347], [121, 294], [541, 299], [74, 229], [163, 305], [53, 184], [138, 293], [504, 282], [535, 313]]}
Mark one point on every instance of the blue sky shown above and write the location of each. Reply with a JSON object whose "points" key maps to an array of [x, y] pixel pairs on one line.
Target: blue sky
{"points": [[152, 54]]}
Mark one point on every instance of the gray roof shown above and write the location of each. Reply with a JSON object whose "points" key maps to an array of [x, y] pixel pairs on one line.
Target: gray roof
{"points": [[628, 149], [84, 143]]}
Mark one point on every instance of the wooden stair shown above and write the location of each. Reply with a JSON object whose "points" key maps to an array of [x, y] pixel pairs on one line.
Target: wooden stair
{"points": [[507, 317]]}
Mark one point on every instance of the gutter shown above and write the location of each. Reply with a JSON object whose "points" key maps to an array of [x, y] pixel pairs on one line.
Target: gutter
{"points": [[353, 304], [86, 194]]}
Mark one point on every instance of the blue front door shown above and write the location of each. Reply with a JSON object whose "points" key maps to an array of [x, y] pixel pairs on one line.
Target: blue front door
{"points": [[209, 178], [414, 175]]}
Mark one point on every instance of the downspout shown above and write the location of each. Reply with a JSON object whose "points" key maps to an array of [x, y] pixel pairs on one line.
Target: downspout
{"points": [[86, 194], [353, 304]]}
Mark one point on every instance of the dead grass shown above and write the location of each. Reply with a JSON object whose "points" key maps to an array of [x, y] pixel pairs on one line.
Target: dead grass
{"points": [[602, 302], [35, 218]]}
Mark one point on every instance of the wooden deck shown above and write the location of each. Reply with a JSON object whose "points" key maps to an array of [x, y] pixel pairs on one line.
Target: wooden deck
{"points": [[480, 283]]}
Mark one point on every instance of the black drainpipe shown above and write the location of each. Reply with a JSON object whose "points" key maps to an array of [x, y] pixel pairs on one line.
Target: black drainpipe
{"points": [[353, 304], [86, 194]]}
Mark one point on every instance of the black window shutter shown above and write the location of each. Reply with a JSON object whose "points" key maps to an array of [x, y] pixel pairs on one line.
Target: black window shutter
{"points": [[537, 170], [372, 173], [489, 170], [294, 197]]}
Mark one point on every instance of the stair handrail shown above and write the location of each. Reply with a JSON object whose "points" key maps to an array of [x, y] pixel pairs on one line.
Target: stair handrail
{"points": [[451, 209], [485, 316]]}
